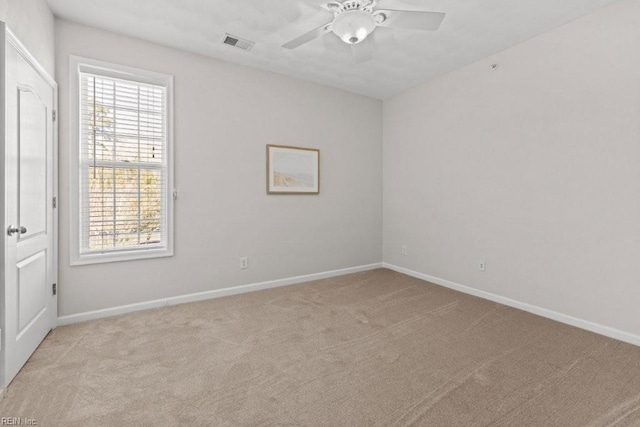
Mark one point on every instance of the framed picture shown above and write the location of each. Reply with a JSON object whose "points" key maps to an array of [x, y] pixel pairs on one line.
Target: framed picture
{"points": [[293, 170]]}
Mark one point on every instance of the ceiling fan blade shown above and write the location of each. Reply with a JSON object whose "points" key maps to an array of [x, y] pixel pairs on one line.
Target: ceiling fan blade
{"points": [[307, 37], [412, 20], [362, 52]]}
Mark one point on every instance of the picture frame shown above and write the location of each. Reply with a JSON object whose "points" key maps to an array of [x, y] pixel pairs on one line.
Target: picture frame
{"points": [[293, 170]]}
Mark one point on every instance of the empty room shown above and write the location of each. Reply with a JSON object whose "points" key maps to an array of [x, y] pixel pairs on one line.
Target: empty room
{"points": [[320, 213]]}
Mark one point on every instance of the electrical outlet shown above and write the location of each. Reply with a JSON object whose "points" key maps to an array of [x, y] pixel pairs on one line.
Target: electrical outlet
{"points": [[403, 250], [244, 263], [482, 266]]}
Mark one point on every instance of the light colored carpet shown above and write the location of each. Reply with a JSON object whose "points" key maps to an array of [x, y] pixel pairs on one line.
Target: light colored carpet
{"points": [[373, 348]]}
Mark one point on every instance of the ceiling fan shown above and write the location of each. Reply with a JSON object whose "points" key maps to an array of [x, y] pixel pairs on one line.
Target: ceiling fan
{"points": [[354, 20]]}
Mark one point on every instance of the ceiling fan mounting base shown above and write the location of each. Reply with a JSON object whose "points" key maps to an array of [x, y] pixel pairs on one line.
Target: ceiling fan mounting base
{"points": [[349, 5]]}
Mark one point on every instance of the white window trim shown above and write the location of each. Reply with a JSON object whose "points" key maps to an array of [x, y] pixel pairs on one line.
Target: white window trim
{"points": [[76, 65]]}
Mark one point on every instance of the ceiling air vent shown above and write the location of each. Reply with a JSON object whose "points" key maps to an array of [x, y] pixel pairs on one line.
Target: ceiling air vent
{"points": [[238, 42]]}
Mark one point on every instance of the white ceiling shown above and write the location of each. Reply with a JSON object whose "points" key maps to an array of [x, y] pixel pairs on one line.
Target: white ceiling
{"points": [[472, 30]]}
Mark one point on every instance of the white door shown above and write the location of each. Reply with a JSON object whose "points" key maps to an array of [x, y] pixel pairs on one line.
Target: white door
{"points": [[30, 270]]}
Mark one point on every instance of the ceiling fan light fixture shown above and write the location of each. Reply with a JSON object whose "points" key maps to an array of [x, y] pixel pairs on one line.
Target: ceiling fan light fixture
{"points": [[354, 26]]}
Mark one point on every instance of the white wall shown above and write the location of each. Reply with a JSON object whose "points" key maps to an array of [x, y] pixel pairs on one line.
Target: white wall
{"points": [[33, 23], [225, 114], [533, 167]]}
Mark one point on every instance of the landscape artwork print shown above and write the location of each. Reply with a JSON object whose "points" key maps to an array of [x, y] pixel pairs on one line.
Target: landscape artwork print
{"points": [[293, 170]]}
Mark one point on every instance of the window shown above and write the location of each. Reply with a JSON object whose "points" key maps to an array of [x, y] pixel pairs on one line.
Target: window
{"points": [[121, 164]]}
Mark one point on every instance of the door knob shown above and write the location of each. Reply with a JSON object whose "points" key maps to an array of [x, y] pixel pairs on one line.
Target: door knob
{"points": [[12, 230]]}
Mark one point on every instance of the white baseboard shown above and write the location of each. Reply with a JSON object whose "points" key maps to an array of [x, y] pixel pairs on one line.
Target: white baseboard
{"points": [[201, 296], [550, 314]]}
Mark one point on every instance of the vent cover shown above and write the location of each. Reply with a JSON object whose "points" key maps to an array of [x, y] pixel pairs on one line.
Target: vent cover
{"points": [[238, 42]]}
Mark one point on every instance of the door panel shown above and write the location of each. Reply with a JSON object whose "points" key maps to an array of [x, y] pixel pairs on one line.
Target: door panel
{"points": [[32, 301], [32, 155], [29, 304]]}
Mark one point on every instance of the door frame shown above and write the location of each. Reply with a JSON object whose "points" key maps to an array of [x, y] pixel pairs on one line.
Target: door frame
{"points": [[7, 37]]}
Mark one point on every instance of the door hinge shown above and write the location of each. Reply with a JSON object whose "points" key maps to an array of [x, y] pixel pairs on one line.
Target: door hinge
{"points": [[54, 202], [54, 288], [54, 115]]}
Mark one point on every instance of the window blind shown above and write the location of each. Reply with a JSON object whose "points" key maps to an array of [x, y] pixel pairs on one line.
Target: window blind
{"points": [[123, 164]]}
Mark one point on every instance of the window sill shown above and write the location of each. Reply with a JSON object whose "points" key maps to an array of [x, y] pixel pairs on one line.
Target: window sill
{"points": [[119, 256]]}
